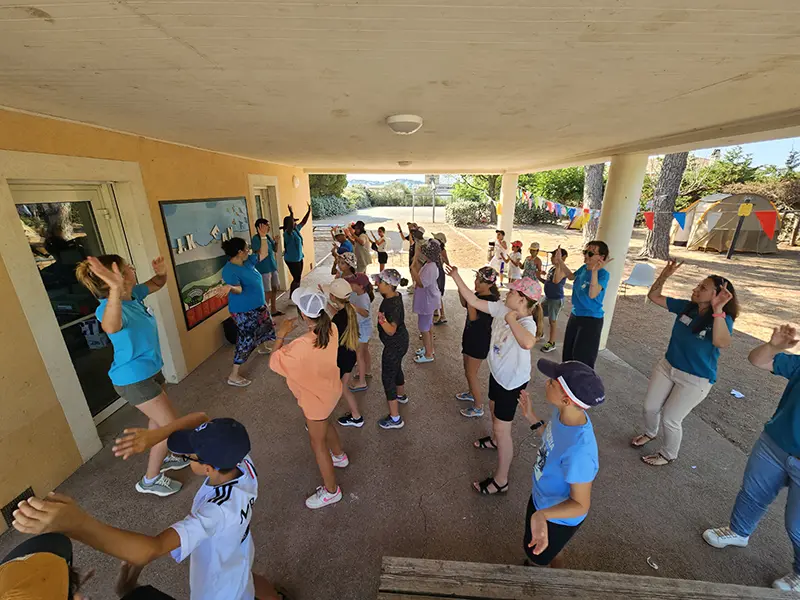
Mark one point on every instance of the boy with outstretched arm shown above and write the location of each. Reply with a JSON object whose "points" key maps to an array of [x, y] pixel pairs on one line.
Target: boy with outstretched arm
{"points": [[567, 462], [215, 535]]}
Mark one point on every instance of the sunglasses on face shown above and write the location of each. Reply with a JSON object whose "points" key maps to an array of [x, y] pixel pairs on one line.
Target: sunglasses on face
{"points": [[588, 253], [189, 458]]}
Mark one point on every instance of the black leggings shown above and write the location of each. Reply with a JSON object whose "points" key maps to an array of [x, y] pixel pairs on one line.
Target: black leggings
{"points": [[296, 270], [392, 366], [582, 339]]}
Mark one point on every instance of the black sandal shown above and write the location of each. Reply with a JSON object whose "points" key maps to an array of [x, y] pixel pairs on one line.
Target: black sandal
{"points": [[483, 487], [485, 443]]}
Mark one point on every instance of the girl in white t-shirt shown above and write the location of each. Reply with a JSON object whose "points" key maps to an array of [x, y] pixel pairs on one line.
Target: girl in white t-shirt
{"points": [[515, 262], [381, 245], [514, 326]]}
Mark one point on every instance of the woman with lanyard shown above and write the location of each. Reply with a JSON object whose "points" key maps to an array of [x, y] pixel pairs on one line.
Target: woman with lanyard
{"points": [[267, 267], [136, 370], [684, 377], [245, 290], [361, 246], [293, 246]]}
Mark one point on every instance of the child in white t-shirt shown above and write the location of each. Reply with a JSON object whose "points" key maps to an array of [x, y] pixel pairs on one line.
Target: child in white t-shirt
{"points": [[215, 535], [514, 326], [515, 261]]}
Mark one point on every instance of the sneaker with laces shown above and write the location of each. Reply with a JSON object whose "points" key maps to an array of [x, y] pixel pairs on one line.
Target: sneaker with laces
{"points": [[402, 399], [788, 583], [471, 412], [162, 486], [322, 498], [465, 397], [174, 463], [340, 462], [549, 347], [388, 423], [348, 420], [722, 537]]}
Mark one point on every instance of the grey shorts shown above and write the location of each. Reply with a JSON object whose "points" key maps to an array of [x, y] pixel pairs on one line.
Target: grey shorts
{"points": [[552, 307], [141, 391], [271, 281]]}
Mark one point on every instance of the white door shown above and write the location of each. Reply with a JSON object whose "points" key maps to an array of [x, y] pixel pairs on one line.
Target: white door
{"points": [[267, 208], [64, 224]]}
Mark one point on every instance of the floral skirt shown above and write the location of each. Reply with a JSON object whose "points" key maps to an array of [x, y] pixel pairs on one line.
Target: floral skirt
{"points": [[255, 327]]}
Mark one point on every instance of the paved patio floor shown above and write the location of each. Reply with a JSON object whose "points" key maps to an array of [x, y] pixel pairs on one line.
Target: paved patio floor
{"points": [[407, 492]]}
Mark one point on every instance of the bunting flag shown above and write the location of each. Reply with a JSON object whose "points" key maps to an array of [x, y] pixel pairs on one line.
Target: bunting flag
{"points": [[680, 217], [586, 211], [648, 219], [550, 206], [712, 219], [571, 213], [768, 220], [745, 208]]}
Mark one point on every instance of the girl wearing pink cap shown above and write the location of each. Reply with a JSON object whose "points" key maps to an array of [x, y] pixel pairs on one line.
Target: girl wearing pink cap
{"points": [[514, 326]]}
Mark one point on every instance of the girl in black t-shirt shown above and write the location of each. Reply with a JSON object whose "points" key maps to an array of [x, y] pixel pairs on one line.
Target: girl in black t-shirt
{"points": [[394, 335], [476, 339]]}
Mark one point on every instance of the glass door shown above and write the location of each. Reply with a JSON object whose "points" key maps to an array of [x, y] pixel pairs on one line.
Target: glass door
{"points": [[64, 225]]}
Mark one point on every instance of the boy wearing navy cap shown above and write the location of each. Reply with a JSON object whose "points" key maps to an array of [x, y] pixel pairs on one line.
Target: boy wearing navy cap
{"points": [[567, 462], [216, 533]]}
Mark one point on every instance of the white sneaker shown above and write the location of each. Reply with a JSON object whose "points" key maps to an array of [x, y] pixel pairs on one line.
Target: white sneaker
{"points": [[722, 537], [340, 462], [323, 497], [163, 486], [788, 583]]}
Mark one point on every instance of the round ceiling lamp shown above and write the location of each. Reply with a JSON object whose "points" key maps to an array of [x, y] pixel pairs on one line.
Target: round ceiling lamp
{"points": [[404, 124]]}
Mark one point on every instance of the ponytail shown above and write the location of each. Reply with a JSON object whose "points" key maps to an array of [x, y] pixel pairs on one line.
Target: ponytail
{"points": [[371, 294], [538, 316], [350, 338], [495, 292], [322, 330], [85, 276]]}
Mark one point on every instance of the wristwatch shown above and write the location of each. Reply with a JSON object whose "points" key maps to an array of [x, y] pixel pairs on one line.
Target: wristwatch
{"points": [[536, 425]]}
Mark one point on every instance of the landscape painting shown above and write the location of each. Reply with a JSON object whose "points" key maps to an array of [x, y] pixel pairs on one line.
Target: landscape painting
{"points": [[195, 230]]}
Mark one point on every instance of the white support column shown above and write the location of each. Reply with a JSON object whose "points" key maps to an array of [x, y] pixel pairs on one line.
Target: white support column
{"points": [[620, 204], [508, 202]]}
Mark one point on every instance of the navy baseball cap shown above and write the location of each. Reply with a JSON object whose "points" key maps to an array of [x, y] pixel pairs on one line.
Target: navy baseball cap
{"points": [[221, 443], [579, 381]]}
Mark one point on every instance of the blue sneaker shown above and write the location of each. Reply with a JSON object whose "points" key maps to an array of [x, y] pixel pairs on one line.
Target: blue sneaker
{"points": [[471, 411], [465, 397], [388, 423], [402, 399]]}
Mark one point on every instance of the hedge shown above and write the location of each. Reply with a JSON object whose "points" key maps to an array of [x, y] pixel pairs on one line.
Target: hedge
{"points": [[469, 213], [323, 207]]}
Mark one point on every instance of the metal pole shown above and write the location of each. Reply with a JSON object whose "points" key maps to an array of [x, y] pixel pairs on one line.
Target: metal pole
{"points": [[433, 203], [736, 233]]}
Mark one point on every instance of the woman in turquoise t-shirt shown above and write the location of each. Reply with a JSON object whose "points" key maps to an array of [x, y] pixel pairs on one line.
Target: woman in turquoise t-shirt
{"points": [[683, 378], [245, 289], [136, 370], [293, 246]]}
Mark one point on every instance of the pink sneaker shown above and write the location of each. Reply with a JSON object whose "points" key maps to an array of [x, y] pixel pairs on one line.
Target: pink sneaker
{"points": [[323, 497]]}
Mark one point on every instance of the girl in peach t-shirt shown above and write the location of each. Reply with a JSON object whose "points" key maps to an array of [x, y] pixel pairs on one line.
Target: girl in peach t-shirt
{"points": [[309, 366]]}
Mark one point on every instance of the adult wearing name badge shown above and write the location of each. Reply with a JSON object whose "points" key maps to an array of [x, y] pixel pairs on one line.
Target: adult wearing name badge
{"points": [[684, 377], [267, 267]]}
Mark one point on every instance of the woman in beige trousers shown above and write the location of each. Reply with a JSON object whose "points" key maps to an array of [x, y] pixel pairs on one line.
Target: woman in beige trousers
{"points": [[684, 377]]}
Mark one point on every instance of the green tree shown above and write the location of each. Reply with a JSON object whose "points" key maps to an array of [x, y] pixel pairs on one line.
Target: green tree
{"points": [[559, 185], [327, 185], [478, 187]]}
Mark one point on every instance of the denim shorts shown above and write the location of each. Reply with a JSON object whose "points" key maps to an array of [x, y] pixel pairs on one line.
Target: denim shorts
{"points": [[141, 391], [552, 307]]}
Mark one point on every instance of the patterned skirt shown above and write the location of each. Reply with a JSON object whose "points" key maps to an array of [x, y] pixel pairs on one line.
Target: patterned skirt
{"points": [[255, 327]]}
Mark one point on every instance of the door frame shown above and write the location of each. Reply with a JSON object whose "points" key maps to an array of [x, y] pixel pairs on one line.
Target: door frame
{"points": [[271, 206], [125, 179]]}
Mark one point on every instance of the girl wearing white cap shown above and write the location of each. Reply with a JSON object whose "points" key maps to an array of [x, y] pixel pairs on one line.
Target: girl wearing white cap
{"points": [[309, 365]]}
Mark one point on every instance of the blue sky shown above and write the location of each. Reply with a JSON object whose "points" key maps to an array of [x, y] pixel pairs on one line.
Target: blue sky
{"points": [[764, 153]]}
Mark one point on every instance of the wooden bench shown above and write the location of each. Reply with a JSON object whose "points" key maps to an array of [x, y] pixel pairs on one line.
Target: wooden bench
{"points": [[420, 579]]}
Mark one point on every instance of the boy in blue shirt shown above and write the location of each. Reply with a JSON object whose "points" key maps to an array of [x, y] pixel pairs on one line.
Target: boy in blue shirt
{"points": [[582, 336], [268, 267], [567, 462], [773, 462]]}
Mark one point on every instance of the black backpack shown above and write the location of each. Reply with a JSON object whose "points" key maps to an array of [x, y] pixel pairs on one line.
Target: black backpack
{"points": [[230, 330]]}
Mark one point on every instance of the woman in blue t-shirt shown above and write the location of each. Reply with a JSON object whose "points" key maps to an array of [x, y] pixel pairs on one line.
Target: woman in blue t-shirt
{"points": [[293, 246], [245, 289], [683, 378], [136, 370]]}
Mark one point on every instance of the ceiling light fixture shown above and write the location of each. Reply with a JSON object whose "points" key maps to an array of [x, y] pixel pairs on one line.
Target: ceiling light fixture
{"points": [[404, 124], [404, 163]]}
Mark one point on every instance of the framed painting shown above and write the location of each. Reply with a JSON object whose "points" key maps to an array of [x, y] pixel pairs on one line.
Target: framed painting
{"points": [[195, 232]]}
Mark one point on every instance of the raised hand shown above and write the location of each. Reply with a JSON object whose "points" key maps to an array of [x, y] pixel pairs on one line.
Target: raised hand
{"points": [[134, 441], [784, 337], [56, 513], [112, 277], [159, 266], [450, 270], [557, 258], [670, 268], [262, 230], [721, 298]]}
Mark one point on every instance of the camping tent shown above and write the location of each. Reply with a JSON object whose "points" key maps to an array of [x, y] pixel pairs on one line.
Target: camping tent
{"points": [[578, 221], [711, 222]]}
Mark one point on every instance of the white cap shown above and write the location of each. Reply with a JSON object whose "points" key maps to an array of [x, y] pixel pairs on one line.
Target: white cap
{"points": [[309, 302], [338, 288]]}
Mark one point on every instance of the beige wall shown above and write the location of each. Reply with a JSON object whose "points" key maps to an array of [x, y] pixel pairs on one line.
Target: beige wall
{"points": [[31, 419]]}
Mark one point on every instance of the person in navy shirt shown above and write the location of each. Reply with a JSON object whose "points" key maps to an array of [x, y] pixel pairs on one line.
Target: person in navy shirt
{"points": [[136, 370], [245, 289], [267, 267], [683, 378], [773, 463], [567, 462], [582, 336], [293, 246]]}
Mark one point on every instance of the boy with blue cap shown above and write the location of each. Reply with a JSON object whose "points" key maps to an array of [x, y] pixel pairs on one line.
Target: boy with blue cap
{"points": [[216, 533], [567, 462]]}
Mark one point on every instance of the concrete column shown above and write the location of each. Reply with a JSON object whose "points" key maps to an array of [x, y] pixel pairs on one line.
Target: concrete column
{"points": [[620, 204], [508, 201]]}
